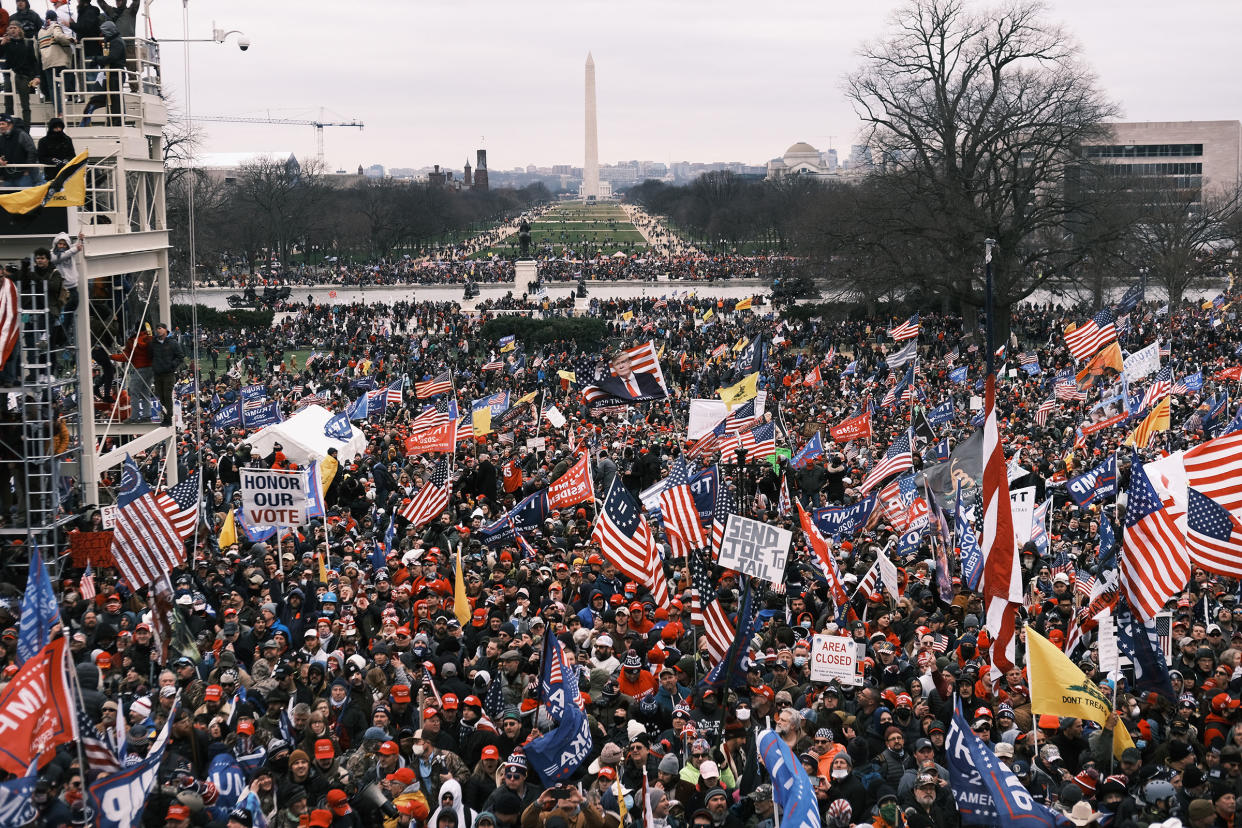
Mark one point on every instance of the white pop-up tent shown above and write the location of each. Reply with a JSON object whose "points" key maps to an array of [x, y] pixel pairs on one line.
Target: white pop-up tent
{"points": [[302, 439]]}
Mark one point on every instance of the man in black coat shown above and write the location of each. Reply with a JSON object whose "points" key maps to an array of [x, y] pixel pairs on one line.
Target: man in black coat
{"points": [[166, 355], [18, 51]]}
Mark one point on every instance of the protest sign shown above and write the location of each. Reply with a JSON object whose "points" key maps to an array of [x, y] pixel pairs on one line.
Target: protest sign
{"points": [[274, 496], [835, 658], [754, 548]]}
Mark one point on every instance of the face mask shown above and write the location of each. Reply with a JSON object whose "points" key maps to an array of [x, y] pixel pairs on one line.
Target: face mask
{"points": [[1134, 711], [800, 661], [417, 750], [1140, 743], [806, 625], [889, 811], [840, 773], [743, 715]]}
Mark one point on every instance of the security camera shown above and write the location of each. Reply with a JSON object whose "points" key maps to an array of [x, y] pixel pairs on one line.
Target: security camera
{"points": [[243, 43]]}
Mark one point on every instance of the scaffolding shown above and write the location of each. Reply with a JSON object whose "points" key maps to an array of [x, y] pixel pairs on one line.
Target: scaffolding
{"points": [[124, 286]]}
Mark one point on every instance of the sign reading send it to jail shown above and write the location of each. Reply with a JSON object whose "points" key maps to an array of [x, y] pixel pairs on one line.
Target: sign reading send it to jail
{"points": [[755, 548], [276, 497]]}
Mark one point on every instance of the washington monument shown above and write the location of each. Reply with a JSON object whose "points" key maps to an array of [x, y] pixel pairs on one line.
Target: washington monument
{"points": [[590, 164]]}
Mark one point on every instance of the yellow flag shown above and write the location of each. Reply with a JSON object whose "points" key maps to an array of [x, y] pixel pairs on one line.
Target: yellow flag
{"points": [[746, 389], [327, 471], [461, 605], [1156, 420], [710, 313], [67, 189], [323, 569], [526, 398], [482, 420], [744, 304], [741, 343], [1061, 689], [228, 532], [567, 375], [627, 316]]}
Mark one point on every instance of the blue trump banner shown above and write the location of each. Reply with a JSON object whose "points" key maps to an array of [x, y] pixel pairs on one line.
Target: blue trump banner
{"points": [[39, 610], [337, 427], [17, 807], [250, 393], [813, 448], [968, 543], [265, 414], [556, 755], [974, 802], [958, 374], [1140, 643], [1096, 484], [119, 798], [845, 521], [941, 414], [225, 772], [791, 787], [1012, 803], [230, 416]]}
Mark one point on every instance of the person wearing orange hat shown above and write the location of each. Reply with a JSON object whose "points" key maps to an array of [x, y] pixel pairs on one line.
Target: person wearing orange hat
{"points": [[177, 816]]}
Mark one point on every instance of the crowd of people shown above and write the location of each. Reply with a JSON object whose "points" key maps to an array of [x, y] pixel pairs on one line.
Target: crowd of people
{"points": [[330, 664]]}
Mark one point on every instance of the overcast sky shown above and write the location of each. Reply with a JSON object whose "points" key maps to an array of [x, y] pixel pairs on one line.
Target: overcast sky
{"points": [[697, 80]]}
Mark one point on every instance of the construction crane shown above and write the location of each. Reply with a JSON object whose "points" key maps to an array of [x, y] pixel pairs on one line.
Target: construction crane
{"points": [[318, 125]]}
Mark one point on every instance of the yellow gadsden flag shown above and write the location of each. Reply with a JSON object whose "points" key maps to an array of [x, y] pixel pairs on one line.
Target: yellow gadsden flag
{"points": [[1061, 689], [742, 392], [461, 604], [228, 532], [1157, 420], [67, 189], [482, 421]]}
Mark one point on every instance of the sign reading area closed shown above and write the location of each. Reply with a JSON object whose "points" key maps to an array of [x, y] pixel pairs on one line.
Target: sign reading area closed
{"points": [[276, 497], [755, 548], [835, 658]]}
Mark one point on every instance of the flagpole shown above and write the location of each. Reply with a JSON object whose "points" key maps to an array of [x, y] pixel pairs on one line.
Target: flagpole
{"points": [[72, 673]]}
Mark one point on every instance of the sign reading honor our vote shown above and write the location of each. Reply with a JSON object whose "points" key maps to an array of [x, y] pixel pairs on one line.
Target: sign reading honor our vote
{"points": [[275, 497], [755, 548]]}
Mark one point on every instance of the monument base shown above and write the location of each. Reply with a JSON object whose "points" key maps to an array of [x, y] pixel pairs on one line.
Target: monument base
{"points": [[527, 270]]}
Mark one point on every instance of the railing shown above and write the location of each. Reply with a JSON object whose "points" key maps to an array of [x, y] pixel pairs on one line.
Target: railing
{"points": [[102, 198]]}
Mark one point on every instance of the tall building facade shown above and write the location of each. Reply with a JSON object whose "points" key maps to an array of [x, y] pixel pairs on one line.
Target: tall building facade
{"points": [[590, 164], [480, 170], [1189, 156]]}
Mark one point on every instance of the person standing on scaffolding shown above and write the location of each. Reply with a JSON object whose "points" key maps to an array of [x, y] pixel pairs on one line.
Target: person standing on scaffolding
{"points": [[137, 352]]}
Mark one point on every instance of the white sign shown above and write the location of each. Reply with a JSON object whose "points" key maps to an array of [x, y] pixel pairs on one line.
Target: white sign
{"points": [[835, 658], [1142, 362], [108, 514], [976, 403], [1110, 655], [536, 443], [275, 497], [755, 548], [888, 574], [555, 417], [705, 415], [1022, 510]]}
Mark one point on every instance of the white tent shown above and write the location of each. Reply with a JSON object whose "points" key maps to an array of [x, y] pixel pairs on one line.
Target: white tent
{"points": [[302, 438]]}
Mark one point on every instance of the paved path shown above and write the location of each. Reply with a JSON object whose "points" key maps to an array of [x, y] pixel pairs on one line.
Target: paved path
{"points": [[663, 241]]}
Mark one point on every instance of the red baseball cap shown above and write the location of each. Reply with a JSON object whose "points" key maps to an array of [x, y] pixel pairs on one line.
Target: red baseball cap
{"points": [[324, 749], [491, 752], [213, 692], [401, 693], [321, 818], [449, 701], [389, 749], [338, 801], [177, 811], [245, 727], [404, 775]]}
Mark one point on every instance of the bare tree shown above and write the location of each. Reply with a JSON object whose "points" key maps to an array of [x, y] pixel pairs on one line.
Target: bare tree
{"points": [[1184, 235], [976, 118]]}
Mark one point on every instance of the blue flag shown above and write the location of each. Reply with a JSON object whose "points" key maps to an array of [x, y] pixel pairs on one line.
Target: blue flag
{"points": [[813, 448], [1032, 368], [1108, 542], [337, 427], [1139, 642], [974, 802], [364, 383], [729, 672], [1012, 804], [314, 506], [526, 516], [252, 393], [941, 414], [118, 799], [972, 555], [791, 787], [959, 374], [39, 610], [225, 772], [845, 521], [557, 754], [357, 410], [263, 415], [1130, 299], [1193, 382], [230, 416], [1096, 484], [850, 369], [16, 805], [1235, 424]]}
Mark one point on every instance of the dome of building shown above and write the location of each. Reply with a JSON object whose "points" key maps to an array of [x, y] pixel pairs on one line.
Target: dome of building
{"points": [[801, 148]]}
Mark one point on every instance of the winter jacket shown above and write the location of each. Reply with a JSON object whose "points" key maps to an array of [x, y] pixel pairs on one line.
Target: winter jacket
{"points": [[165, 355], [55, 150], [17, 147], [20, 57], [55, 46]]}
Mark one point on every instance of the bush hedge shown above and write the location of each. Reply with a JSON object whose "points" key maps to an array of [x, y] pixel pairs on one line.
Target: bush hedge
{"points": [[221, 319], [583, 330]]}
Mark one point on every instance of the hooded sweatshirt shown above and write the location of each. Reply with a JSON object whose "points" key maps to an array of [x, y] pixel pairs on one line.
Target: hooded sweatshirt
{"points": [[65, 260]]}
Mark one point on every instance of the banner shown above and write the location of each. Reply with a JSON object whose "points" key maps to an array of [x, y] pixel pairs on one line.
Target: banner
{"points": [[94, 548], [755, 548], [432, 440], [1022, 509], [845, 521], [791, 787], [813, 449], [705, 415], [229, 416], [835, 658], [974, 800], [1096, 484], [556, 755], [40, 612], [277, 497], [941, 414], [253, 393], [1142, 362], [226, 774], [964, 467], [36, 711], [855, 428], [261, 416], [16, 806], [572, 487], [119, 798]]}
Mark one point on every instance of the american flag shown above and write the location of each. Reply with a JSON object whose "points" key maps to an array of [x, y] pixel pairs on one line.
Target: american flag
{"points": [[493, 365], [659, 304], [318, 398], [431, 499], [396, 392], [1045, 408], [87, 585], [1085, 340], [1068, 390], [906, 330], [746, 415], [898, 458], [10, 318], [721, 509], [899, 359], [1084, 582], [145, 542], [823, 557], [705, 608], [1002, 591], [681, 518], [1161, 387], [1213, 536], [98, 748], [433, 416], [1214, 469], [871, 581], [180, 504], [494, 701], [759, 442], [625, 539], [1155, 563], [1028, 359], [1063, 564], [443, 384]]}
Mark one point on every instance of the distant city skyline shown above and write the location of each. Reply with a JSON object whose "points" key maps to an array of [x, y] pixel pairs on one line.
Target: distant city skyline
{"points": [[696, 79]]}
